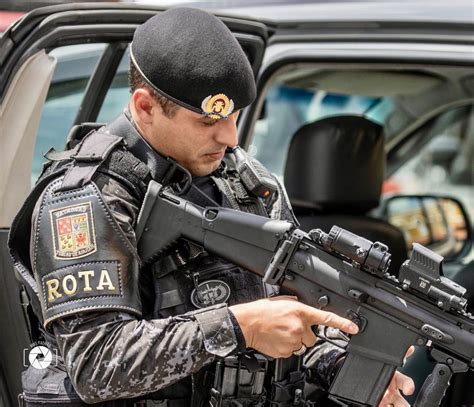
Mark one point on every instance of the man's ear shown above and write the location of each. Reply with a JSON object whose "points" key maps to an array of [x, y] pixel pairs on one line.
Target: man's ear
{"points": [[143, 105]]}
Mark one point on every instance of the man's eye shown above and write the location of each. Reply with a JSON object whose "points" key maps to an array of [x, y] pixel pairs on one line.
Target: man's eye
{"points": [[209, 123]]}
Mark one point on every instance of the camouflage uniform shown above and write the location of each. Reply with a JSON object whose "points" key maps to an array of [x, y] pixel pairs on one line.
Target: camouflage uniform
{"points": [[124, 346]]}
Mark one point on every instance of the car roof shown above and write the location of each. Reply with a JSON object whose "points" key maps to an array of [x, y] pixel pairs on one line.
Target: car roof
{"points": [[282, 12], [283, 15]]}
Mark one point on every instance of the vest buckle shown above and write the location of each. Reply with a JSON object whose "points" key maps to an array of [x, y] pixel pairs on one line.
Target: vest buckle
{"points": [[87, 158], [21, 400]]}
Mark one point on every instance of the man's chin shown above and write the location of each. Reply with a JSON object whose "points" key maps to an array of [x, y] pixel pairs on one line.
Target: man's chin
{"points": [[206, 169]]}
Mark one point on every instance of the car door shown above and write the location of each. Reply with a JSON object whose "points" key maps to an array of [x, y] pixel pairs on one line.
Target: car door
{"points": [[61, 66]]}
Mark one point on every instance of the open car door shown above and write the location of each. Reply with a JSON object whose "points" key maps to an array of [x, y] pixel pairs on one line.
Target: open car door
{"points": [[60, 66]]}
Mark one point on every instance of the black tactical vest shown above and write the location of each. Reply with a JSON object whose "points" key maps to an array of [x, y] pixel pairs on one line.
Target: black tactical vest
{"points": [[190, 278]]}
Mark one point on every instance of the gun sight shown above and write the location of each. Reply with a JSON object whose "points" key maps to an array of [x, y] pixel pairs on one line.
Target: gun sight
{"points": [[423, 274], [370, 256]]}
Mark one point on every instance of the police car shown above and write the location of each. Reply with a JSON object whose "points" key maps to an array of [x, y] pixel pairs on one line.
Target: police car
{"points": [[408, 68]]}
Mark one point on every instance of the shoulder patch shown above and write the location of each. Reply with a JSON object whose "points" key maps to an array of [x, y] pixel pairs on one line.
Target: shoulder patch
{"points": [[73, 231], [76, 224], [83, 281]]}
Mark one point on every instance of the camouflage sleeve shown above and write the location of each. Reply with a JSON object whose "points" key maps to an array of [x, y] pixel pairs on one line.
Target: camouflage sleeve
{"points": [[110, 355], [322, 361]]}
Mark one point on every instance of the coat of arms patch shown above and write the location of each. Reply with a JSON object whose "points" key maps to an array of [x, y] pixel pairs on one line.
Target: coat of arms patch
{"points": [[73, 231]]}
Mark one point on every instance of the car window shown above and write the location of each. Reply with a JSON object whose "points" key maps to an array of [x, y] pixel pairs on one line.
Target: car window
{"points": [[288, 108], [75, 65], [118, 93], [301, 93], [444, 159]]}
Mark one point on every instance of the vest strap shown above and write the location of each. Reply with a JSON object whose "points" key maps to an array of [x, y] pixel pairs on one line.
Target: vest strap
{"points": [[170, 299], [92, 151], [53, 155]]}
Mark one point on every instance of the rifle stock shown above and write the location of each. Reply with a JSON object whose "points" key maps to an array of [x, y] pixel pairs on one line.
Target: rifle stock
{"points": [[338, 272]]}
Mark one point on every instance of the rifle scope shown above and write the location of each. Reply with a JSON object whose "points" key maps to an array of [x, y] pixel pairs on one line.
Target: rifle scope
{"points": [[373, 257]]}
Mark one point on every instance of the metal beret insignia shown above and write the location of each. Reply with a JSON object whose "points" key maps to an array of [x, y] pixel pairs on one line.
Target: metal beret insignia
{"points": [[217, 107]]}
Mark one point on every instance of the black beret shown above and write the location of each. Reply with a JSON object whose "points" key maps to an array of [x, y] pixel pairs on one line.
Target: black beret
{"points": [[192, 58]]}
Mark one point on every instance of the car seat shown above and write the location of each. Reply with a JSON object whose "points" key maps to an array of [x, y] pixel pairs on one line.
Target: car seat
{"points": [[334, 175]]}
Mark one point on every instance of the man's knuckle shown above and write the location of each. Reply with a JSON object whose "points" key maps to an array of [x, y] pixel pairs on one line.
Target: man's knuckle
{"points": [[326, 319], [298, 330]]}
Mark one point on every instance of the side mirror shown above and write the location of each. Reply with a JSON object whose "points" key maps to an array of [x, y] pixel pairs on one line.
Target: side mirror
{"points": [[437, 222]]}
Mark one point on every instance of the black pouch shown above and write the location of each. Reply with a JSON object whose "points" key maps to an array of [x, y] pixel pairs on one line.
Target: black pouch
{"points": [[52, 387], [49, 386], [236, 385]]}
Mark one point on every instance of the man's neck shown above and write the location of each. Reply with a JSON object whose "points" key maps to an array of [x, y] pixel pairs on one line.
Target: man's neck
{"points": [[129, 112]]}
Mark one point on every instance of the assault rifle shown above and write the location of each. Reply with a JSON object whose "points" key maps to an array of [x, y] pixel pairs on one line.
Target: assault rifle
{"points": [[338, 272]]}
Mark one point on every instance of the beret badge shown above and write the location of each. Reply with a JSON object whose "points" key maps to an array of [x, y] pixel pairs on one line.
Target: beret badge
{"points": [[217, 107]]}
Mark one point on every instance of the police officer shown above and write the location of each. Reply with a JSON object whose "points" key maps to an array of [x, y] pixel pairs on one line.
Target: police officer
{"points": [[165, 333]]}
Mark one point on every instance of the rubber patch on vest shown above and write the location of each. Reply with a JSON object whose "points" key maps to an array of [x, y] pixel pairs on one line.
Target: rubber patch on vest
{"points": [[73, 231], [210, 292]]}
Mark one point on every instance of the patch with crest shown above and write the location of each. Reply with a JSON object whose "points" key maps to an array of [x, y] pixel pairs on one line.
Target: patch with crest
{"points": [[73, 231], [209, 293], [218, 106]]}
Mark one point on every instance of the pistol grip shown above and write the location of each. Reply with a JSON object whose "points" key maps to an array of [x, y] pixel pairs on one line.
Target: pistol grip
{"points": [[434, 387]]}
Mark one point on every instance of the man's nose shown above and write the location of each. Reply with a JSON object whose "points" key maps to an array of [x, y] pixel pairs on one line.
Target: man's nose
{"points": [[226, 132]]}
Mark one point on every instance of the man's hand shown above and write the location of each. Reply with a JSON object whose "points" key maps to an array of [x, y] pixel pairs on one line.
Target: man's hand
{"points": [[392, 396], [400, 383], [279, 326]]}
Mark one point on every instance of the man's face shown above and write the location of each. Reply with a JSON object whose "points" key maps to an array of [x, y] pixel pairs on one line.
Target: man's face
{"points": [[195, 141]]}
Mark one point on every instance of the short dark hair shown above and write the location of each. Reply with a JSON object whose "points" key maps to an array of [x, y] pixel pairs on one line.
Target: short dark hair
{"points": [[136, 80]]}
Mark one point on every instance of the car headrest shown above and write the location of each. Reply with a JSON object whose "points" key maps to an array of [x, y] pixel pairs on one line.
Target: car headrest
{"points": [[336, 164]]}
